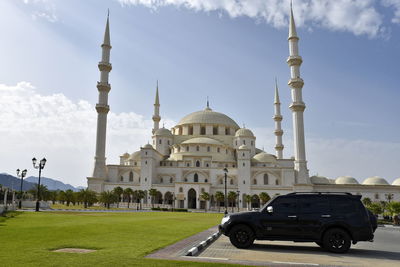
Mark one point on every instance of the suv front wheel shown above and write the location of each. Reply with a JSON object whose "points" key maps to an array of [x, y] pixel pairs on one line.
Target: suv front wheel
{"points": [[337, 240], [241, 236]]}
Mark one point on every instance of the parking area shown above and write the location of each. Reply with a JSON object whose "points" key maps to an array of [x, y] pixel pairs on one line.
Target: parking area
{"points": [[384, 251]]}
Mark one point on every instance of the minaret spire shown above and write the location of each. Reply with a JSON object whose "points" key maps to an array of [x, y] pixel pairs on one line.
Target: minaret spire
{"points": [[297, 106], [278, 129], [156, 115], [102, 107]]}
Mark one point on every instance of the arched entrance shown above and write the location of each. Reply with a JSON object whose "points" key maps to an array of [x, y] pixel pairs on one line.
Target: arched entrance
{"points": [[158, 199], [192, 199], [255, 201], [168, 198]]}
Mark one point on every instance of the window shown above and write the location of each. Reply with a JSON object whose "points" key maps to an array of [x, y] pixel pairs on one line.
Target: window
{"points": [[159, 141], [179, 149], [205, 180], [145, 162], [226, 131], [203, 130], [226, 151], [131, 177], [215, 130], [276, 182], [231, 182], [203, 190], [196, 178], [265, 178], [285, 205], [146, 152], [135, 163], [343, 205], [221, 181], [180, 189], [121, 179], [161, 180], [197, 163], [208, 149], [187, 164], [252, 143], [243, 154], [218, 149], [236, 142], [255, 181], [197, 148], [168, 142], [244, 142], [207, 165], [171, 180], [185, 180], [244, 164], [187, 148], [190, 130], [313, 204], [376, 196]]}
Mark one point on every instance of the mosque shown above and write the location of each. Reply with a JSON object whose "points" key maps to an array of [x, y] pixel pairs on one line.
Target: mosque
{"points": [[207, 149]]}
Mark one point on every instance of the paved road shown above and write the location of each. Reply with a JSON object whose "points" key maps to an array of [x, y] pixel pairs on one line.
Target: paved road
{"points": [[384, 251]]}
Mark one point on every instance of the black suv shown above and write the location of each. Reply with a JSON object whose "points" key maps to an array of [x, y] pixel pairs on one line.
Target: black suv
{"points": [[332, 220]]}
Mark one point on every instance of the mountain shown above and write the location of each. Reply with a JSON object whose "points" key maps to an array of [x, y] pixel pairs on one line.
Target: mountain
{"points": [[14, 182], [52, 184], [10, 181]]}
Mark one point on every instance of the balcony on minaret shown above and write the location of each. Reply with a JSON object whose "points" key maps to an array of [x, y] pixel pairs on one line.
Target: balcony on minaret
{"points": [[297, 106], [156, 118], [294, 60], [296, 83], [277, 117], [278, 132], [101, 108], [103, 87], [279, 147], [105, 66]]}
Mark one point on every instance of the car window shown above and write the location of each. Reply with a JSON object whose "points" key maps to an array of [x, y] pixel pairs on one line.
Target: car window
{"points": [[343, 204], [313, 204], [285, 205]]}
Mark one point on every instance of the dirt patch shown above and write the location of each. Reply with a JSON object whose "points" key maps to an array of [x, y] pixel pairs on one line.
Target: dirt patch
{"points": [[74, 250]]}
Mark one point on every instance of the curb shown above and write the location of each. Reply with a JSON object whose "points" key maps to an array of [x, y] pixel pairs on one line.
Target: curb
{"points": [[202, 245]]}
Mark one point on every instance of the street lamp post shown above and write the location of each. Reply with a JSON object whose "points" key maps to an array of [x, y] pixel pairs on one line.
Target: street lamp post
{"points": [[226, 194], [21, 175], [40, 167], [238, 197]]}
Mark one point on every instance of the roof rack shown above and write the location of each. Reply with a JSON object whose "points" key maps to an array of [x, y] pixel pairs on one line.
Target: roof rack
{"points": [[320, 193]]}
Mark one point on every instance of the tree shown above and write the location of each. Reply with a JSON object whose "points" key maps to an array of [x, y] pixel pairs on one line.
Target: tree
{"points": [[366, 201], [394, 210], [87, 197], [61, 197], [375, 208], [108, 198], [220, 197], [389, 197], [53, 196], [232, 198], [153, 193], [248, 201], [128, 192], [264, 197], [206, 197], [118, 191], [44, 192], [140, 195], [69, 196]]}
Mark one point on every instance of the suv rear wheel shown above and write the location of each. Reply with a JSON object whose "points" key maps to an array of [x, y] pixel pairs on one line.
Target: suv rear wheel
{"points": [[336, 240], [241, 236]]}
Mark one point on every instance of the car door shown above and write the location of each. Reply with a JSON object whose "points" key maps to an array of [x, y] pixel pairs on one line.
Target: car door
{"points": [[282, 222], [313, 214]]}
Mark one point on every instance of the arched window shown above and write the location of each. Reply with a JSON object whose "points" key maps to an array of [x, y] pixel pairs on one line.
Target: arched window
{"points": [[243, 154], [243, 164], [231, 182], [255, 181], [215, 130], [197, 163], [203, 130], [221, 181], [205, 180], [121, 178], [265, 178], [252, 143], [187, 148], [187, 164], [179, 149], [159, 141], [226, 151], [161, 180], [180, 189], [276, 182], [226, 131], [244, 142], [171, 180], [185, 180], [203, 190], [236, 142], [190, 130], [168, 142], [131, 177], [218, 150], [376, 196], [196, 178], [208, 149], [135, 163], [197, 148], [207, 165]]}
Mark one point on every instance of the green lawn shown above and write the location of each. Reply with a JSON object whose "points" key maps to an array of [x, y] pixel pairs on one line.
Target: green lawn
{"points": [[122, 239]]}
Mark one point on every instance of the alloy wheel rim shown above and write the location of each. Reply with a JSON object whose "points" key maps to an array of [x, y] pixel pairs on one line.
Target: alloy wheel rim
{"points": [[337, 241], [242, 236]]}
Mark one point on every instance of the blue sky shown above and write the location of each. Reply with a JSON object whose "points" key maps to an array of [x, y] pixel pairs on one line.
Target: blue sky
{"points": [[227, 50]]}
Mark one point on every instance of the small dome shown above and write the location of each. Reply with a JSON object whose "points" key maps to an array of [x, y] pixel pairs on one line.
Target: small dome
{"points": [[202, 140], [346, 180], [244, 147], [147, 146], [375, 180], [208, 116], [243, 132], [135, 156], [125, 155], [396, 182], [319, 180], [264, 157], [163, 131]]}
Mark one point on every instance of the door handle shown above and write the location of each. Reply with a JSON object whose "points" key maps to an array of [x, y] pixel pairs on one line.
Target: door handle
{"points": [[292, 216], [326, 216]]}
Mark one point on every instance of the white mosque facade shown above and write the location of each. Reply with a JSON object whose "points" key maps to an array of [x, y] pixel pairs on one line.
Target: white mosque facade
{"points": [[195, 155]]}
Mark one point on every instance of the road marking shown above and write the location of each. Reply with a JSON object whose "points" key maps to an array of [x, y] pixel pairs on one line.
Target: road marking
{"points": [[295, 263], [212, 258]]}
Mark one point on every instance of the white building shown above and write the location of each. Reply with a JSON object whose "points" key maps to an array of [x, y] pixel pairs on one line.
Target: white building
{"points": [[189, 159]]}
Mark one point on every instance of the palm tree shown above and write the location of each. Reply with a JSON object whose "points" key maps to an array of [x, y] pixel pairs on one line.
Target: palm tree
{"points": [[153, 193], [219, 196], [61, 197], [88, 197], [394, 209], [69, 196], [264, 197], [108, 197], [206, 197], [118, 191], [128, 192], [140, 195], [366, 201], [248, 201], [232, 198]]}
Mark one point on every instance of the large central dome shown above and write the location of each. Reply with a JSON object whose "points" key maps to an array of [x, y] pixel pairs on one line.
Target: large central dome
{"points": [[208, 116]]}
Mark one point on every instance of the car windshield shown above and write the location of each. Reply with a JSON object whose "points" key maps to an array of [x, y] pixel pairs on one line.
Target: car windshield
{"points": [[264, 208]]}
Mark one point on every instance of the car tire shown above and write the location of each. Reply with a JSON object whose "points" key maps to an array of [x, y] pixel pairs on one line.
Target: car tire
{"points": [[336, 240], [241, 236], [320, 244]]}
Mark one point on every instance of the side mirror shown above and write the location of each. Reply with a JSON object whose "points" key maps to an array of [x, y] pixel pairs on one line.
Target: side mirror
{"points": [[270, 209]]}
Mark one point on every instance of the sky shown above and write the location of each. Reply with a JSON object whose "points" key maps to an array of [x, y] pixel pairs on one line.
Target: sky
{"points": [[228, 50]]}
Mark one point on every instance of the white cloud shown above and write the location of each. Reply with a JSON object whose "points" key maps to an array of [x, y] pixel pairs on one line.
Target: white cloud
{"points": [[395, 4], [42, 9], [359, 17]]}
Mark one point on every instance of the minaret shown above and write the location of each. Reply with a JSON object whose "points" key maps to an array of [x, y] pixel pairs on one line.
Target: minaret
{"points": [[102, 106], [278, 129], [297, 106], [156, 115]]}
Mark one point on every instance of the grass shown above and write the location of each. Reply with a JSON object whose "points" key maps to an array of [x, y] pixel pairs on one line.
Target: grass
{"points": [[80, 206], [122, 239]]}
